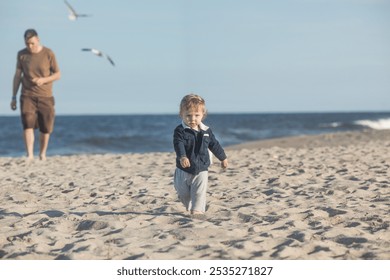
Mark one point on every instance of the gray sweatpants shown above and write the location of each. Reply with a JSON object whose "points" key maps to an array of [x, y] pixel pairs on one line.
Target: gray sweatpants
{"points": [[191, 189]]}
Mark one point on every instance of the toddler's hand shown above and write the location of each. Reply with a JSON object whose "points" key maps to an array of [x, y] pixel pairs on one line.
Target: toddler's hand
{"points": [[185, 162], [224, 163]]}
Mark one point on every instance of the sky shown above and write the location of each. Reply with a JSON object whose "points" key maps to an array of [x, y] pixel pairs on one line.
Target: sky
{"points": [[246, 56]]}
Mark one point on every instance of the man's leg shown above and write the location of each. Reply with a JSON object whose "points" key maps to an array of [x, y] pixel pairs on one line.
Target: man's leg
{"points": [[46, 116], [44, 143], [28, 134]]}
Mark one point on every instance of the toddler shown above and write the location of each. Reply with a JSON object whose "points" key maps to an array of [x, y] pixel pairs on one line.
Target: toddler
{"points": [[192, 141]]}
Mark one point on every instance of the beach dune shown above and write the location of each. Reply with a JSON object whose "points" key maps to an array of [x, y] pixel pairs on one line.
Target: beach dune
{"points": [[305, 197]]}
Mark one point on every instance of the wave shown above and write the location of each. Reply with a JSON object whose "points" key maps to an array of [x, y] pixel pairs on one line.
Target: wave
{"points": [[379, 124], [331, 125]]}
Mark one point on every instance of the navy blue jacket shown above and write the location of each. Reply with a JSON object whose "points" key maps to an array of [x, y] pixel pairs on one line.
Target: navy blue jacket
{"points": [[195, 145]]}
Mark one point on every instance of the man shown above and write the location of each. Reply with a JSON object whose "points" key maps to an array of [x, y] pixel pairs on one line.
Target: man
{"points": [[36, 69]]}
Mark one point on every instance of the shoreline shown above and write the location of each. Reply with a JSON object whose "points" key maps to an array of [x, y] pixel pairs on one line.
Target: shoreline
{"points": [[306, 197], [344, 138]]}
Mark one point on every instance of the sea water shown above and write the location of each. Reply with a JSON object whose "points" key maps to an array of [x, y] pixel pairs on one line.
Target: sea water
{"points": [[153, 133]]}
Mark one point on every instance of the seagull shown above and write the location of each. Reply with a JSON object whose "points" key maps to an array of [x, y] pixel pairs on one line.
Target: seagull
{"points": [[99, 53], [73, 14]]}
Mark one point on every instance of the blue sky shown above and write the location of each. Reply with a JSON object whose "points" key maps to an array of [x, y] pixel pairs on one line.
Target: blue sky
{"points": [[241, 56]]}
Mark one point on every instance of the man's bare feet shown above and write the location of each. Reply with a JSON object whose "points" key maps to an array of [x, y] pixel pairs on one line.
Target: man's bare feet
{"points": [[29, 158]]}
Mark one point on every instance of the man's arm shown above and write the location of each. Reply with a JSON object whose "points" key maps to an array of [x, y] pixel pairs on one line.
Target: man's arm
{"points": [[16, 85], [45, 80]]}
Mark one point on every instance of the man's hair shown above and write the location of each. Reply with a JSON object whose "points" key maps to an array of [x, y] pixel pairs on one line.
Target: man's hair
{"points": [[29, 33], [192, 101]]}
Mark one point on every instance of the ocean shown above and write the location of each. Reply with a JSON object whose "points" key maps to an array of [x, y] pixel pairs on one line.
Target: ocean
{"points": [[153, 133]]}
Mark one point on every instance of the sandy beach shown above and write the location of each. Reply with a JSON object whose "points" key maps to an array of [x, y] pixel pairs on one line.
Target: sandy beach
{"points": [[305, 197]]}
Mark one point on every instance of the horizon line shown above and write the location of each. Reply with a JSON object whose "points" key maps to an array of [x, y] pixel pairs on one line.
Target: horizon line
{"points": [[215, 113]]}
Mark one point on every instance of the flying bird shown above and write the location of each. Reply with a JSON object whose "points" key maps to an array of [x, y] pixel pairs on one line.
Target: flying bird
{"points": [[73, 14], [99, 53]]}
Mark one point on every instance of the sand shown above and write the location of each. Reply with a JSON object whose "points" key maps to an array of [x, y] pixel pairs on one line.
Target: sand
{"points": [[307, 197]]}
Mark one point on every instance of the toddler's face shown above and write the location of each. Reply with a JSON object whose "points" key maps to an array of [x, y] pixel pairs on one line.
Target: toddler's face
{"points": [[193, 117]]}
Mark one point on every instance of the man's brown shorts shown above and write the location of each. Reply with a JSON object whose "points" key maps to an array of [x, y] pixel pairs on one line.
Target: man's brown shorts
{"points": [[37, 112]]}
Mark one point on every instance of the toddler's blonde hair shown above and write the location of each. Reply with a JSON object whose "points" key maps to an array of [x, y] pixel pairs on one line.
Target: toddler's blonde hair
{"points": [[192, 101]]}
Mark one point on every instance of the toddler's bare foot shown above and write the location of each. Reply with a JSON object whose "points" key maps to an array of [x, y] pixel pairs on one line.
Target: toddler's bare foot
{"points": [[198, 215]]}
